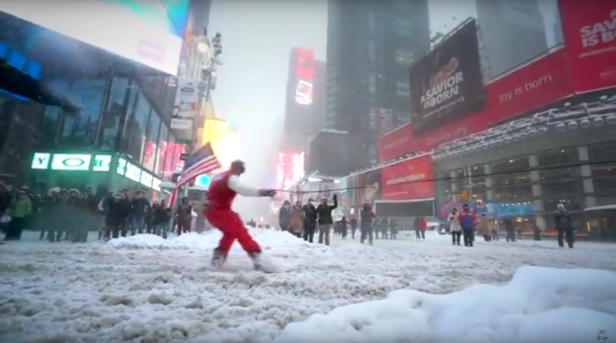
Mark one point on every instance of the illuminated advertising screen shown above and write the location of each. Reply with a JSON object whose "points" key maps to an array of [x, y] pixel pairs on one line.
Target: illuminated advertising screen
{"points": [[147, 32], [71, 162], [304, 72], [289, 169]]}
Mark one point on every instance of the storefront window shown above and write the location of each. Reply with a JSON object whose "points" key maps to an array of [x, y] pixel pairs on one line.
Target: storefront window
{"points": [[130, 122], [79, 129], [511, 181], [603, 166], [568, 192], [168, 168], [113, 114], [51, 119], [150, 158], [163, 141], [137, 128]]}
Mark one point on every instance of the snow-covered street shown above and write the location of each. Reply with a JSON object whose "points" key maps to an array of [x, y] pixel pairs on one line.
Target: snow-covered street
{"points": [[145, 289]]}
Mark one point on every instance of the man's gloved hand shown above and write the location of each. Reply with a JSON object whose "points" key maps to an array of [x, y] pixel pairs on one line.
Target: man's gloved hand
{"points": [[335, 197], [267, 193]]}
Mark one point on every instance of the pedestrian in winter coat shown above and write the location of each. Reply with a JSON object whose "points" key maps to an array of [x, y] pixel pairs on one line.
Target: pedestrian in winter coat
{"points": [[103, 207], [284, 216], [296, 222], [161, 219], [468, 220], [115, 216], [564, 226], [454, 227], [366, 228], [325, 220], [494, 228], [310, 220], [353, 227], [509, 229], [183, 217], [393, 229], [139, 213], [343, 227], [21, 208], [484, 228], [5, 198], [422, 226]]}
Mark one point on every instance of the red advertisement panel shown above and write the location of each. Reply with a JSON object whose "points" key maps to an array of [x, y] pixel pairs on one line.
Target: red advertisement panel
{"points": [[305, 65], [590, 37], [408, 180], [285, 169], [395, 143], [535, 85]]}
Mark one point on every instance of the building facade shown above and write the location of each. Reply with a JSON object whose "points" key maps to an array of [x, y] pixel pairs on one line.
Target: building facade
{"points": [[122, 116], [370, 45], [304, 100], [513, 32]]}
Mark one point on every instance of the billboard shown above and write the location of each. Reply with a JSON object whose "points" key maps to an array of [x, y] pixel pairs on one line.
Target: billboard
{"points": [[186, 103], [149, 32], [590, 39], [304, 72], [368, 187], [447, 84], [411, 179], [71, 162], [395, 143], [284, 170], [528, 88]]}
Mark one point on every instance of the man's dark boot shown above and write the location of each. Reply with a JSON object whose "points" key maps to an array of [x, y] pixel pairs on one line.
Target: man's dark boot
{"points": [[256, 261], [217, 258]]}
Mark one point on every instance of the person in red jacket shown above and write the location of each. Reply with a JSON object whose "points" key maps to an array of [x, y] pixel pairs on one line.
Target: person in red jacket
{"points": [[423, 226], [222, 191]]}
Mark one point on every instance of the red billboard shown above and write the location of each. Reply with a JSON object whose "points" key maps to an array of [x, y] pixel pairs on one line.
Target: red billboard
{"points": [[590, 37], [304, 72], [395, 143], [411, 179], [305, 64], [537, 84], [288, 169]]}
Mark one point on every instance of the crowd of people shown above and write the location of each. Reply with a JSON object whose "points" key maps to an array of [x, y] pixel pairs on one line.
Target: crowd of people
{"points": [[70, 214], [304, 220], [464, 225]]}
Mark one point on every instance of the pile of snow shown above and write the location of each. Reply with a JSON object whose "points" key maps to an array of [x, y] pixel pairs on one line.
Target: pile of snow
{"points": [[268, 239], [538, 305]]}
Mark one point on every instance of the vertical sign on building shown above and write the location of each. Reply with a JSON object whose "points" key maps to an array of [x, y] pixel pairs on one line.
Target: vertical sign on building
{"points": [[186, 103], [304, 72]]}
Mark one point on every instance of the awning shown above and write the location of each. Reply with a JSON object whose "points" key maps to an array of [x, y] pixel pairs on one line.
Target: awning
{"points": [[19, 83]]}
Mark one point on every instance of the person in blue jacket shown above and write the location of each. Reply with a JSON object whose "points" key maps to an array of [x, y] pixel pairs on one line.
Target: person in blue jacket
{"points": [[468, 220]]}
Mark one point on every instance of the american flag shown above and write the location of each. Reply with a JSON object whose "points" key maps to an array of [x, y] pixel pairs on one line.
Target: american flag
{"points": [[203, 161]]}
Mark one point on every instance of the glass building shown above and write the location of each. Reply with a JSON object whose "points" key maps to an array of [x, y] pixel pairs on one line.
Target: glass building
{"points": [[123, 113], [569, 163]]}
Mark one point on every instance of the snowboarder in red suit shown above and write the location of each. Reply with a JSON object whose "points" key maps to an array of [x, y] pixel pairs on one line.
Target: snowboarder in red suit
{"points": [[222, 191]]}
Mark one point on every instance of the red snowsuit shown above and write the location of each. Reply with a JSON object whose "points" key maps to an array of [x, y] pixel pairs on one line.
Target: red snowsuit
{"points": [[218, 212]]}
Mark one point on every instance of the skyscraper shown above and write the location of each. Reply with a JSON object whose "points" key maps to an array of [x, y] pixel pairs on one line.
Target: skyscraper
{"points": [[370, 45], [513, 32], [305, 100]]}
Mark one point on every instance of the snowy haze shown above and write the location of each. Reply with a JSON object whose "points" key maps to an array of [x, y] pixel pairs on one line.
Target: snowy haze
{"points": [[257, 37]]}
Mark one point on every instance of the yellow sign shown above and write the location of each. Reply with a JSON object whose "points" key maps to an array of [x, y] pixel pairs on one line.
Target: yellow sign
{"points": [[214, 132]]}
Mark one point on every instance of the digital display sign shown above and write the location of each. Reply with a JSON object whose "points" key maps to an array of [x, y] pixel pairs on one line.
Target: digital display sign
{"points": [[152, 31]]}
